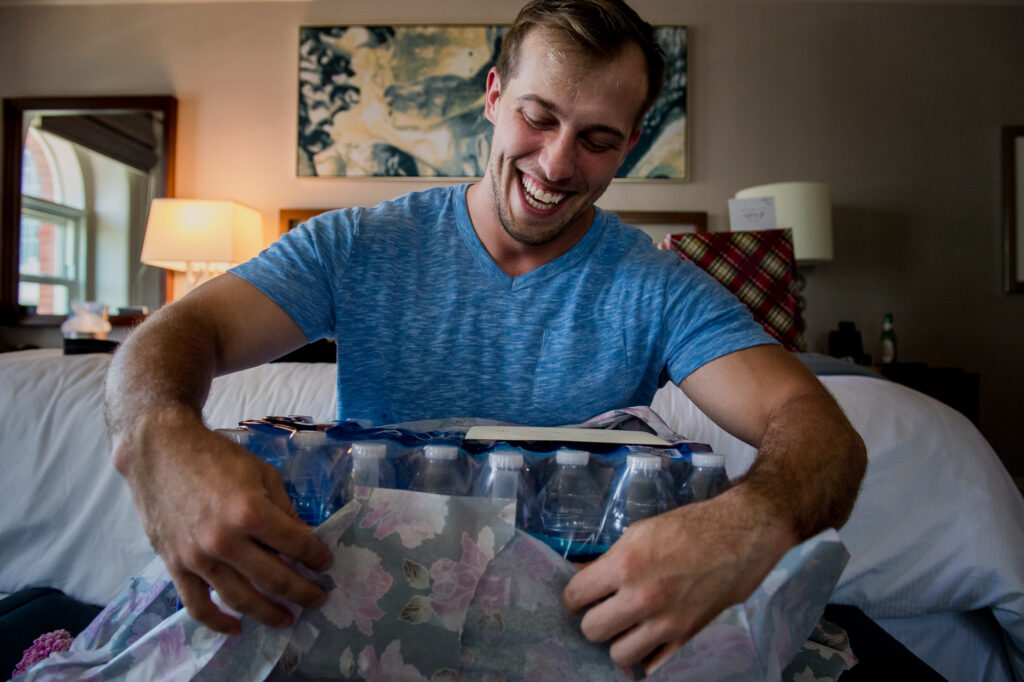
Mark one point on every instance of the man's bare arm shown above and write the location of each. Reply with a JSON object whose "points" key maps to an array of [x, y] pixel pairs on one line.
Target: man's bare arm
{"points": [[810, 459], [218, 516], [669, 576]]}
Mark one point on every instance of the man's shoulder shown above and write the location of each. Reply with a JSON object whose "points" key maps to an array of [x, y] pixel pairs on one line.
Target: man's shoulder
{"points": [[627, 244], [427, 202], [421, 211]]}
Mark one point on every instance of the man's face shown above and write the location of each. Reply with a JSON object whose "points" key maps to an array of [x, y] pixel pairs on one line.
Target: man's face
{"points": [[562, 128]]}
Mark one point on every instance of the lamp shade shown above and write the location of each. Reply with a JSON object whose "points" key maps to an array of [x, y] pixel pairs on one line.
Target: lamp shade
{"points": [[218, 234], [804, 207]]}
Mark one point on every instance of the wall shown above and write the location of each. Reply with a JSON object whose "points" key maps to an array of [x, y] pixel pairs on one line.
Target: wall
{"points": [[896, 105]]}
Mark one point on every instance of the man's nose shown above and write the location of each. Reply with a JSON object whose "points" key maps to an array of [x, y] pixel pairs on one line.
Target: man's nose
{"points": [[558, 158]]}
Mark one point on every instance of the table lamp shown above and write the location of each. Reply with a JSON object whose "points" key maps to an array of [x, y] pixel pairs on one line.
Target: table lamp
{"points": [[201, 238], [804, 207]]}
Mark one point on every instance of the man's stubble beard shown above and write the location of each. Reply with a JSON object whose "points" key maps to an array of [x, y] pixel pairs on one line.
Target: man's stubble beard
{"points": [[505, 217]]}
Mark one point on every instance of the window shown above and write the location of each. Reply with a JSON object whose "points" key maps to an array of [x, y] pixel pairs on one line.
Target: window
{"points": [[48, 272], [77, 211]]}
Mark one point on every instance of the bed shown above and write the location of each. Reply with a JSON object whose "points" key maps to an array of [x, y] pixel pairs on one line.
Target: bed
{"points": [[935, 538]]}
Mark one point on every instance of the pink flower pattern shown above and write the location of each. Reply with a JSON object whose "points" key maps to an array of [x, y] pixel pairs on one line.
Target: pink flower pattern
{"points": [[456, 582], [415, 518], [360, 583], [391, 667], [171, 643]]}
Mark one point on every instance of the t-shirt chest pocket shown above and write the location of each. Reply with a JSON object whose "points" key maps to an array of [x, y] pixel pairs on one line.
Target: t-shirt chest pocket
{"points": [[580, 374]]}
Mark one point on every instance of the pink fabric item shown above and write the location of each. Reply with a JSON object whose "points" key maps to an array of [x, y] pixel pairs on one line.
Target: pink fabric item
{"points": [[58, 640]]}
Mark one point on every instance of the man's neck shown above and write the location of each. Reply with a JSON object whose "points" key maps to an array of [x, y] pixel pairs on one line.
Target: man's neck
{"points": [[513, 257]]}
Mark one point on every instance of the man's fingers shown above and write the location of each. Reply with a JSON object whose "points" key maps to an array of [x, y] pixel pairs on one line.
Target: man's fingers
{"points": [[590, 585], [195, 595], [238, 593], [292, 538], [635, 645], [274, 576]]}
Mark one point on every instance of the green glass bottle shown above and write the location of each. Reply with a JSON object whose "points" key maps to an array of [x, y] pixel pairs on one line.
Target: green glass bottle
{"points": [[888, 354]]}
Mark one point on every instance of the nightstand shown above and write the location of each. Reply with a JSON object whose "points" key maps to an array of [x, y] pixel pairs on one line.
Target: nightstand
{"points": [[955, 387]]}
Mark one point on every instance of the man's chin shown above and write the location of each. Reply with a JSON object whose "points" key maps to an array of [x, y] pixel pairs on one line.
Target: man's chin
{"points": [[533, 238]]}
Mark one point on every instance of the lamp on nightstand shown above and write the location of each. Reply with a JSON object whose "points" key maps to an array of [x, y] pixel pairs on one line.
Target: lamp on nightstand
{"points": [[201, 238], [804, 207]]}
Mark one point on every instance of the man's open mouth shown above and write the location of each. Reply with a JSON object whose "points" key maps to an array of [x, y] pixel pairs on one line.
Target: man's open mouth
{"points": [[537, 197]]}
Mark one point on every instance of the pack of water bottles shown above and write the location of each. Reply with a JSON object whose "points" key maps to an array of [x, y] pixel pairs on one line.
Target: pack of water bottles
{"points": [[577, 495]]}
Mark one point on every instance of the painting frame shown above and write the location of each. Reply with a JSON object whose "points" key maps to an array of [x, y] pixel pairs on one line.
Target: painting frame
{"points": [[405, 101], [1013, 209]]}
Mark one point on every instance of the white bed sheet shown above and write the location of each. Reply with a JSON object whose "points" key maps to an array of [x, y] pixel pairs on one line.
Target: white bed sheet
{"points": [[75, 499]]}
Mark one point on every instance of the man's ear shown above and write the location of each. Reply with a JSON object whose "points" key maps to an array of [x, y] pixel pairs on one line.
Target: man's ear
{"points": [[492, 93]]}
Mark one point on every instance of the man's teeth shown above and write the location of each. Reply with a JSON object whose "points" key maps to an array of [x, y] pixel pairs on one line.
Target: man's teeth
{"points": [[538, 198]]}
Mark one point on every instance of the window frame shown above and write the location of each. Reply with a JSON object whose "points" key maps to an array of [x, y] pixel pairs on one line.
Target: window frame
{"points": [[76, 221]]}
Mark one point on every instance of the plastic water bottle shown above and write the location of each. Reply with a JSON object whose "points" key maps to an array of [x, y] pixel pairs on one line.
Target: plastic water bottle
{"points": [[236, 435], [369, 468], [571, 501], [308, 474], [706, 479], [439, 472], [504, 478], [640, 492], [269, 442]]}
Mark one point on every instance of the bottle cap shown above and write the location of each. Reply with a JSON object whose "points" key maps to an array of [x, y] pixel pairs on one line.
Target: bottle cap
{"points": [[506, 459], [643, 462], [441, 452], [369, 450], [707, 459], [309, 439], [570, 456]]}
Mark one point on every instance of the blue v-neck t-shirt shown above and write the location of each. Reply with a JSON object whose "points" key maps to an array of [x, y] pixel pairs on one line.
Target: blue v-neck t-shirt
{"points": [[428, 326]]}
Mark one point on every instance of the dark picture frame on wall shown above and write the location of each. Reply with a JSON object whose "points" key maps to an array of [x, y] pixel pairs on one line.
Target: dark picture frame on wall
{"points": [[1013, 209], [406, 101]]}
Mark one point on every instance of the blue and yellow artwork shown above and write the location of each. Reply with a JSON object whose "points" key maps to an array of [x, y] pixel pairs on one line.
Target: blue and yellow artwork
{"points": [[408, 101]]}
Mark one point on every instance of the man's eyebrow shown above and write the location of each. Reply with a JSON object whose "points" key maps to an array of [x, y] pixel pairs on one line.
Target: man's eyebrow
{"points": [[557, 111]]}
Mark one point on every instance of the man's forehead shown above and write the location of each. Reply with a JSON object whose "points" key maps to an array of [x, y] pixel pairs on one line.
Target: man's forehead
{"points": [[553, 69]]}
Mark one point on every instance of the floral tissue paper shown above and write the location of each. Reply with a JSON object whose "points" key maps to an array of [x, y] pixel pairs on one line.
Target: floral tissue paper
{"points": [[429, 588]]}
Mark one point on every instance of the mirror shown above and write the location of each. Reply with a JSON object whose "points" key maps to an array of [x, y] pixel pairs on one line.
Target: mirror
{"points": [[78, 177]]}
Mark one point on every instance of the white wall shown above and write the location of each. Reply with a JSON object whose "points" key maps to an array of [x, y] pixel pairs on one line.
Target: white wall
{"points": [[896, 105]]}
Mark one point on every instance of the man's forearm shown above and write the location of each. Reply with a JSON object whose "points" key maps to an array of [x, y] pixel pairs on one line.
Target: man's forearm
{"points": [[810, 465], [167, 363]]}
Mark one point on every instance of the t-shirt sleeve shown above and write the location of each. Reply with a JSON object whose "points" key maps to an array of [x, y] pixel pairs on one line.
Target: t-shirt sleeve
{"points": [[704, 321], [293, 271]]}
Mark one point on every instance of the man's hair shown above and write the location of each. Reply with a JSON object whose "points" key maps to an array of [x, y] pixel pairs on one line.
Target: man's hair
{"points": [[602, 29]]}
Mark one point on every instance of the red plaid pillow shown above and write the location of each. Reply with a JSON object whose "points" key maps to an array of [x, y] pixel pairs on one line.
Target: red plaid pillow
{"points": [[759, 268]]}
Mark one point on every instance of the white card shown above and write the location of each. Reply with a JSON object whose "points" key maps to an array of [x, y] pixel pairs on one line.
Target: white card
{"points": [[755, 213], [574, 435]]}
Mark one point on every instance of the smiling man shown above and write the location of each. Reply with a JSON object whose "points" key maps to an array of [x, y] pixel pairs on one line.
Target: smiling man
{"points": [[515, 299], [562, 128]]}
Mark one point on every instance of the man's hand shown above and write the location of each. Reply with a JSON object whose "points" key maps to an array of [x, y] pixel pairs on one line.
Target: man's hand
{"points": [[220, 521], [218, 515], [669, 576]]}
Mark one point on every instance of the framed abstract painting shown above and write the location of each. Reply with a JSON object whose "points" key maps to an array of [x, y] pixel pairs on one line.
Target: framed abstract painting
{"points": [[408, 101]]}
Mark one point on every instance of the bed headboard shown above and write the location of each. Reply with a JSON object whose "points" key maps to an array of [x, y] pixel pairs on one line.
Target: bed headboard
{"points": [[655, 223]]}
